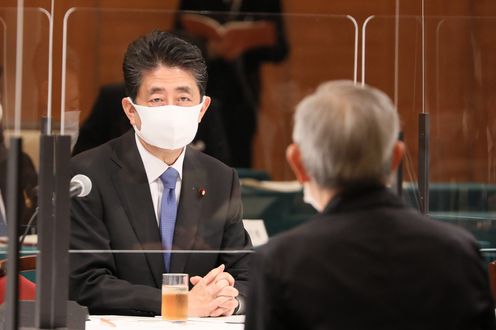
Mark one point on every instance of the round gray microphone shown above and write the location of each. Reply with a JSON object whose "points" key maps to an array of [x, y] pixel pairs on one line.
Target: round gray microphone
{"points": [[80, 186]]}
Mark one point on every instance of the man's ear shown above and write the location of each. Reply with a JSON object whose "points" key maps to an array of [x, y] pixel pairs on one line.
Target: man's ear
{"points": [[129, 110], [204, 108], [293, 157], [397, 155]]}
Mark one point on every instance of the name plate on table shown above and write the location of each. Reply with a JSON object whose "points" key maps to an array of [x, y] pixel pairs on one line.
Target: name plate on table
{"points": [[256, 230], [29, 240]]}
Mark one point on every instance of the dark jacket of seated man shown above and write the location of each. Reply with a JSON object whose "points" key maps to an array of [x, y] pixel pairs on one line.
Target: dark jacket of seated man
{"points": [[367, 261], [118, 214], [370, 262]]}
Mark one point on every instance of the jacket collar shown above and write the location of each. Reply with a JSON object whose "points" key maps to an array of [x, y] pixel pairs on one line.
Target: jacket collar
{"points": [[362, 196], [131, 185]]}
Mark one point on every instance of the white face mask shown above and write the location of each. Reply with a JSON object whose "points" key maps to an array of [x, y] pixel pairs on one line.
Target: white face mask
{"points": [[308, 198], [168, 126]]}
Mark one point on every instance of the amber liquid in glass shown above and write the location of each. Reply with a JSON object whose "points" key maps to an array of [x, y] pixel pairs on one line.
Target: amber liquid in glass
{"points": [[174, 303]]}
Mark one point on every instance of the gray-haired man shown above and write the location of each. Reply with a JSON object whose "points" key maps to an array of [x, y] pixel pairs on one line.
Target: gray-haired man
{"points": [[366, 261]]}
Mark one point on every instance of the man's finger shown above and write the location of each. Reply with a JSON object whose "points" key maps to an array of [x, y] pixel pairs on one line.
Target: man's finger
{"points": [[227, 308], [219, 285], [230, 304], [195, 279], [213, 274], [215, 303], [228, 291], [225, 276], [218, 312]]}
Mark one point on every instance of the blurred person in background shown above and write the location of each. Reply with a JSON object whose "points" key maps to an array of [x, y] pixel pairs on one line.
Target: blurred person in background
{"points": [[366, 261], [28, 184], [236, 38], [27, 174]]}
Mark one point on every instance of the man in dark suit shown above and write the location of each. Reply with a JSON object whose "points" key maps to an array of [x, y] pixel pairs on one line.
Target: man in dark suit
{"points": [[367, 261], [151, 192]]}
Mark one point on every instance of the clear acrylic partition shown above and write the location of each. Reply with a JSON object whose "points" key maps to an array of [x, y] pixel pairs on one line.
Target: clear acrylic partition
{"points": [[464, 126], [457, 94], [391, 61], [286, 76], [268, 192], [26, 120], [458, 97]]}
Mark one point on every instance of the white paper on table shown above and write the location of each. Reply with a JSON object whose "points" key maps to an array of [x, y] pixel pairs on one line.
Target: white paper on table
{"points": [[257, 231], [233, 319], [151, 323]]}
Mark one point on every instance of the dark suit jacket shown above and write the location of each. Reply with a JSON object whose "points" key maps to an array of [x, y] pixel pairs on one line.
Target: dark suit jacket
{"points": [[369, 262], [118, 214]]}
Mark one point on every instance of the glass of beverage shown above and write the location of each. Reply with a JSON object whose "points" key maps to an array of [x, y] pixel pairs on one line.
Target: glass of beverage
{"points": [[175, 297]]}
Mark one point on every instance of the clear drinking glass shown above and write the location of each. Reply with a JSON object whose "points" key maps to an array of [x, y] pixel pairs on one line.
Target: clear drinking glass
{"points": [[175, 297]]}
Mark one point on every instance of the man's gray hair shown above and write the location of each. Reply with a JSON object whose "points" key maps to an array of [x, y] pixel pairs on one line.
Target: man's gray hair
{"points": [[346, 134]]}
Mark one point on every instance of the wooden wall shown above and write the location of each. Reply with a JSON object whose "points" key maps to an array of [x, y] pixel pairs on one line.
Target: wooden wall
{"points": [[460, 70]]}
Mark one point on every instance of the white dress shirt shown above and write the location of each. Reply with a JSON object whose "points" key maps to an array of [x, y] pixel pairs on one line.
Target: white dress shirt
{"points": [[154, 168]]}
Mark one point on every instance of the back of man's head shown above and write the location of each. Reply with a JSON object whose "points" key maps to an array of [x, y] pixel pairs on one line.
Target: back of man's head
{"points": [[346, 134]]}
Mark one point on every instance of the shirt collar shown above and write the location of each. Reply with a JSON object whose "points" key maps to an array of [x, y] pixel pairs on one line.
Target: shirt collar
{"points": [[154, 167]]}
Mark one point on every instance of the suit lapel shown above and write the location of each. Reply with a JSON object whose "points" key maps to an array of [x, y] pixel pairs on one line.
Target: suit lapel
{"points": [[132, 186], [189, 210]]}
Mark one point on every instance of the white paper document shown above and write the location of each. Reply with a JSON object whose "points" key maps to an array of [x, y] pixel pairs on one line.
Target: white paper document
{"points": [[235, 322]]}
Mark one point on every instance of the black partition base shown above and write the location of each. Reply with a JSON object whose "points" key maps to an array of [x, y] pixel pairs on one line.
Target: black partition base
{"points": [[51, 310], [399, 171], [76, 315], [52, 274], [423, 162], [13, 211]]}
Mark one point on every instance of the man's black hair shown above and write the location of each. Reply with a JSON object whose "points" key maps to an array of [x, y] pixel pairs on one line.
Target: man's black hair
{"points": [[161, 48]]}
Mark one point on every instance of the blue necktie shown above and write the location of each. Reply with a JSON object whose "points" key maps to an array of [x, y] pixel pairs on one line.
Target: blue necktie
{"points": [[168, 211]]}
